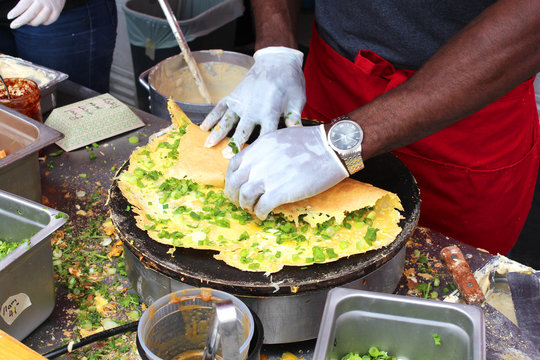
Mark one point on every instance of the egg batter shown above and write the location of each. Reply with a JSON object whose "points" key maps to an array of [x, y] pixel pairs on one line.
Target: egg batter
{"points": [[220, 79]]}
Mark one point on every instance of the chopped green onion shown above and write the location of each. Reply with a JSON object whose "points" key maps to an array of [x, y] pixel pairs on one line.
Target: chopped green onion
{"points": [[318, 254], [371, 235]]}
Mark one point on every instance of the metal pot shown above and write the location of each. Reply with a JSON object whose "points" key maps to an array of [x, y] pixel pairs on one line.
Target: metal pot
{"points": [[155, 78]]}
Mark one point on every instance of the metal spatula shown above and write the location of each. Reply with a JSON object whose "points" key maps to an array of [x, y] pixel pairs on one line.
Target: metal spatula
{"points": [[504, 339]]}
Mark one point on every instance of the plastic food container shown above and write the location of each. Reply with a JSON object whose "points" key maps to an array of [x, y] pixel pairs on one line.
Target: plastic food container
{"points": [[22, 138], [26, 274], [47, 79], [176, 325], [22, 95], [403, 326]]}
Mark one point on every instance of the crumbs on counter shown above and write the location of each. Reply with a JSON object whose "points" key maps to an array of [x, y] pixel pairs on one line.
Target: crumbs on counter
{"points": [[424, 275], [90, 270]]}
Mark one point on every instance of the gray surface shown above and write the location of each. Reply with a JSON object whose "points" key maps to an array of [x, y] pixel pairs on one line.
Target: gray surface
{"points": [[525, 289]]}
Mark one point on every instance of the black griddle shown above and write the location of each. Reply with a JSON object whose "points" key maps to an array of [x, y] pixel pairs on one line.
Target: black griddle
{"points": [[199, 268]]}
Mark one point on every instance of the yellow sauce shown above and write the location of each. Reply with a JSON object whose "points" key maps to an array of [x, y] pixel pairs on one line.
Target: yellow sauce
{"points": [[192, 355], [220, 79], [502, 301]]}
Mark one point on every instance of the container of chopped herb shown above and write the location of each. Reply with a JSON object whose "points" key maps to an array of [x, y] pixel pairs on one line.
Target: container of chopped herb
{"points": [[358, 325], [26, 270]]}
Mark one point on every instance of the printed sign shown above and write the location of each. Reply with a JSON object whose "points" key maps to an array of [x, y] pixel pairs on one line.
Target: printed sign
{"points": [[92, 120]]}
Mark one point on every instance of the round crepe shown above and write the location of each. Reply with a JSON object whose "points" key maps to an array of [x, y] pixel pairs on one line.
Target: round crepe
{"points": [[350, 218]]}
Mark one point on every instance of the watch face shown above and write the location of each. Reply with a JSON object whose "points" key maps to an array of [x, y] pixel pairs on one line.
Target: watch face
{"points": [[345, 135]]}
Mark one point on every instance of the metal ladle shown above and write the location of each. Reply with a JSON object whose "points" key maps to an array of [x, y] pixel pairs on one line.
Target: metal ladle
{"points": [[190, 61], [7, 89], [223, 328]]}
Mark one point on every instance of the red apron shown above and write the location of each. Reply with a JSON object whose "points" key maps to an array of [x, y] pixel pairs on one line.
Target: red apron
{"points": [[476, 177]]}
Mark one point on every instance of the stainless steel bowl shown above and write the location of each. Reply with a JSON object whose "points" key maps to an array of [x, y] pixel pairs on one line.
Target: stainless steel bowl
{"points": [[157, 76]]}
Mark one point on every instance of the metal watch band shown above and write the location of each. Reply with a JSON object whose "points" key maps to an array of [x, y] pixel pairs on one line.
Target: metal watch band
{"points": [[353, 162], [339, 118]]}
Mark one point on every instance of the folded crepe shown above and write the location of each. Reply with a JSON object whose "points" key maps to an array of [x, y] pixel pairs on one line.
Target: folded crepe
{"points": [[175, 186]]}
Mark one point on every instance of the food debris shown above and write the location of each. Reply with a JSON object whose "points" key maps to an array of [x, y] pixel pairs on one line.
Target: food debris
{"points": [[116, 250], [3, 154], [423, 273], [290, 356], [89, 269]]}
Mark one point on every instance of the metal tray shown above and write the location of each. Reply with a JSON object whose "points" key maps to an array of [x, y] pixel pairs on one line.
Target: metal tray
{"points": [[403, 326], [22, 138], [26, 274], [47, 79]]}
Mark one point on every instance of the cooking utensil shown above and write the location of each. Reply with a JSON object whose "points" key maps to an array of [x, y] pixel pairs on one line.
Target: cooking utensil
{"points": [[190, 61], [27, 297], [223, 329], [199, 268], [525, 289], [290, 302], [23, 138], [7, 89], [504, 339]]}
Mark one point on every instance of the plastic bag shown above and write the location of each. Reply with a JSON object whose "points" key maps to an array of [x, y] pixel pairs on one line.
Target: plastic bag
{"points": [[148, 28]]}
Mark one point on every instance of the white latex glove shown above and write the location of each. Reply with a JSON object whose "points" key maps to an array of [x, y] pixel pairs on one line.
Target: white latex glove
{"points": [[281, 167], [35, 12], [274, 86]]}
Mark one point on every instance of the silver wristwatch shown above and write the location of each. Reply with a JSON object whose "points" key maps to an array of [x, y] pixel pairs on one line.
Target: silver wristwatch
{"points": [[345, 138]]}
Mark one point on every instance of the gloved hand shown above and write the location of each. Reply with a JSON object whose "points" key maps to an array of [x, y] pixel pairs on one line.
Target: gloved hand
{"points": [[281, 167], [35, 12], [274, 86]]}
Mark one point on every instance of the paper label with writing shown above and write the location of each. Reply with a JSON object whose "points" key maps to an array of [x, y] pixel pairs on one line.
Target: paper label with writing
{"points": [[14, 306], [92, 120]]}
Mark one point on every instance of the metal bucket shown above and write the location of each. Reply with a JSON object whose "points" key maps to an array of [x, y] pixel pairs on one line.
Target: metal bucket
{"points": [[154, 78]]}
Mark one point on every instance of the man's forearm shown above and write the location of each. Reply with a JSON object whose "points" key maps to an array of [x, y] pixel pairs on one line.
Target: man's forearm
{"points": [[489, 57], [275, 22]]}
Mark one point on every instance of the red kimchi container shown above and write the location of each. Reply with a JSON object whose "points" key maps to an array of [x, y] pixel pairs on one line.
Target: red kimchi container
{"points": [[24, 97]]}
